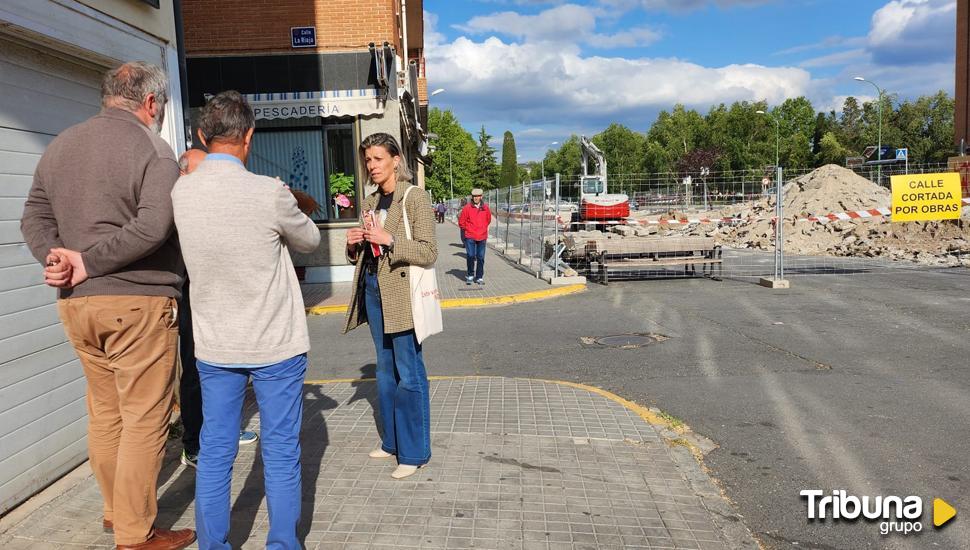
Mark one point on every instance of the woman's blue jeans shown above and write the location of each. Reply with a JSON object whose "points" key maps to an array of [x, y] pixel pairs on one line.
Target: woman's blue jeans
{"points": [[279, 394], [402, 385]]}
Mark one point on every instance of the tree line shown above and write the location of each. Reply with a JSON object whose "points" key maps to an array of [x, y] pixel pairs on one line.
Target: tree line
{"points": [[726, 139]]}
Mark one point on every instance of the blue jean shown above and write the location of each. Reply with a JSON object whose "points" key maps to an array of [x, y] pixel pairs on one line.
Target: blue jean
{"points": [[475, 254], [279, 394], [402, 385]]}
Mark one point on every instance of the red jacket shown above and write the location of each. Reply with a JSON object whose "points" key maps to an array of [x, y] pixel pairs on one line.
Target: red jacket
{"points": [[474, 221]]}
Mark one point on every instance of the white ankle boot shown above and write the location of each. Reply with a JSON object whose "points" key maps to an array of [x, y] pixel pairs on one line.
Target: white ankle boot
{"points": [[379, 453], [404, 470]]}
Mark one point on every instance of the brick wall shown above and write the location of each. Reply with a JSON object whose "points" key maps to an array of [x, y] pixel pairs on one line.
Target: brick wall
{"points": [[263, 26]]}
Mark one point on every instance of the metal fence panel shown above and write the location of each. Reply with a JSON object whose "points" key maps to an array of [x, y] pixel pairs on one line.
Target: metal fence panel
{"points": [[736, 212]]}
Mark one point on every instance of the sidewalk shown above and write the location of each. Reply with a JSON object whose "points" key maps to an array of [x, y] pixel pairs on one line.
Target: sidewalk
{"points": [[516, 464], [504, 282]]}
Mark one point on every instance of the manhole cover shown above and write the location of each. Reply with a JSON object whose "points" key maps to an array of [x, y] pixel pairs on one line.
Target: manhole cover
{"points": [[629, 341]]}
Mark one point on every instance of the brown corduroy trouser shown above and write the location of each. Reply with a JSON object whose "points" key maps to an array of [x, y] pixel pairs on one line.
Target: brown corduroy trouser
{"points": [[128, 348]]}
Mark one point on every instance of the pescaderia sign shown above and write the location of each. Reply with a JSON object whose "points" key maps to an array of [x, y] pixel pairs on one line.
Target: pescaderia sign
{"points": [[339, 103], [924, 197]]}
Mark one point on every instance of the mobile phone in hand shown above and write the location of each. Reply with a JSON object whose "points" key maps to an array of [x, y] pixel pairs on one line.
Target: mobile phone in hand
{"points": [[370, 222]]}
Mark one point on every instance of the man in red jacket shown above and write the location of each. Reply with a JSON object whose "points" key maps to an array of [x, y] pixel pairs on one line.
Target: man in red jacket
{"points": [[473, 221]]}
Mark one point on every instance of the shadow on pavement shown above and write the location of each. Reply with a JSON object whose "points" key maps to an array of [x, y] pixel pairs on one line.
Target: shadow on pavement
{"points": [[367, 389]]}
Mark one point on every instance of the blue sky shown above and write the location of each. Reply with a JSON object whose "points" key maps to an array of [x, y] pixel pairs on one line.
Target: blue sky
{"points": [[545, 69]]}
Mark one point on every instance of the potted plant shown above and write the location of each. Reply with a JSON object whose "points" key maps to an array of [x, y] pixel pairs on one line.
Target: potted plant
{"points": [[342, 191]]}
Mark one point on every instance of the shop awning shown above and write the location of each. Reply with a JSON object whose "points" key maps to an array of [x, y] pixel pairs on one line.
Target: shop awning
{"points": [[328, 103]]}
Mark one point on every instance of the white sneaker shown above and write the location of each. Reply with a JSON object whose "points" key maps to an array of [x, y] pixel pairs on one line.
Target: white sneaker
{"points": [[404, 470], [379, 453]]}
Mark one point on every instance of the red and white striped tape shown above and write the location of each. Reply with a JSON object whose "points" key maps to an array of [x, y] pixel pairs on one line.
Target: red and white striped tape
{"points": [[858, 214], [825, 218]]}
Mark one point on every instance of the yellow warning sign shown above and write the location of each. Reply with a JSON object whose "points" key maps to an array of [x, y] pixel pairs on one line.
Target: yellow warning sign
{"points": [[921, 197], [942, 512]]}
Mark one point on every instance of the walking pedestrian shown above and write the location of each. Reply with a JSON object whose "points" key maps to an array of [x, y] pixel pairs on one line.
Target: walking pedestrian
{"points": [[248, 318], [440, 210], [474, 220], [382, 299], [99, 215], [461, 232], [190, 390]]}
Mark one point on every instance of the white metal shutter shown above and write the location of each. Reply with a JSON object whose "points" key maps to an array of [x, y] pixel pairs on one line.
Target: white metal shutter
{"points": [[43, 423]]}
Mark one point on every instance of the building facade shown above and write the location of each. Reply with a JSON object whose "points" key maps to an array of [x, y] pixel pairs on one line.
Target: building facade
{"points": [[53, 54], [321, 75]]}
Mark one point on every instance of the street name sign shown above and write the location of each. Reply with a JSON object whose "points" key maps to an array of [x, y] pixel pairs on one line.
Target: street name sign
{"points": [[923, 197], [303, 37]]}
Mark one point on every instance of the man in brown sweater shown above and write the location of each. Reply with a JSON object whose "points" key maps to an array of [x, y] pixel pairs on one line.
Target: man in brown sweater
{"points": [[99, 215]]}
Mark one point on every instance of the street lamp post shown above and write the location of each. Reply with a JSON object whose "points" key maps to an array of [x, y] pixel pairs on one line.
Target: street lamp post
{"points": [[543, 161], [879, 114], [778, 281]]}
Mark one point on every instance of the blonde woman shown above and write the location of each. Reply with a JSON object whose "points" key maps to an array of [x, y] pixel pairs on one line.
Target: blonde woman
{"points": [[381, 298]]}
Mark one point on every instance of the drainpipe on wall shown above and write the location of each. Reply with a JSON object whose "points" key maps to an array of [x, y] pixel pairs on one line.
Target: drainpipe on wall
{"points": [[404, 43], [183, 72]]}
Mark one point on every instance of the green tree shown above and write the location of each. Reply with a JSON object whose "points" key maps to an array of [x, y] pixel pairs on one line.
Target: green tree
{"points": [[677, 133], [830, 151], [623, 149], [850, 126], [486, 167], [745, 138], [453, 156], [510, 171], [796, 120], [567, 160]]}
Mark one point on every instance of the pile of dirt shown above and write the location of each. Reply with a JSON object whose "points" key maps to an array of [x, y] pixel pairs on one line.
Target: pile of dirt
{"points": [[833, 189]]}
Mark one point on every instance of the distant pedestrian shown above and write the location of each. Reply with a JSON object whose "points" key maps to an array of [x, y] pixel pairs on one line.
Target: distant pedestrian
{"points": [[190, 390], [99, 215], [474, 220], [461, 232], [248, 318], [382, 299], [440, 210]]}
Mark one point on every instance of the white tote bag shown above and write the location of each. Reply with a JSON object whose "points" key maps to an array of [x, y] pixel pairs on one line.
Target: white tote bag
{"points": [[425, 297]]}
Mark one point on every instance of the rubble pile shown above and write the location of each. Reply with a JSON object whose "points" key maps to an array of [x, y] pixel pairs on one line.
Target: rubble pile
{"points": [[833, 189]]}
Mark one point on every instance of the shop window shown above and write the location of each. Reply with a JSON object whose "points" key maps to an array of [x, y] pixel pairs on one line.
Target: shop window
{"points": [[317, 161], [341, 169]]}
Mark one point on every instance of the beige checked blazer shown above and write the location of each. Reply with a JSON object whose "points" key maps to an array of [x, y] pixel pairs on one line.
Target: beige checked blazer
{"points": [[392, 268]]}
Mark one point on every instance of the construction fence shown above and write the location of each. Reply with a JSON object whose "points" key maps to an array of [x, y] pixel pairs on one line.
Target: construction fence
{"points": [[722, 225]]}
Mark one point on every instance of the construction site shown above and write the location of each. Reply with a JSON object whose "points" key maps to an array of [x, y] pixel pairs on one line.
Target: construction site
{"points": [[829, 214]]}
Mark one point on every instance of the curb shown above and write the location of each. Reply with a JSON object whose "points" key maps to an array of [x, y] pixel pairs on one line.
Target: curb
{"points": [[470, 303]]}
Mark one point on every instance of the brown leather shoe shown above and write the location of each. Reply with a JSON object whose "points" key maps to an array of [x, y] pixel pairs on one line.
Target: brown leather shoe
{"points": [[163, 539], [108, 526]]}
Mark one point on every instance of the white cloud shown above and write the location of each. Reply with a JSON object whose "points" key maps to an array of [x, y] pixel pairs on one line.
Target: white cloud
{"points": [[680, 5], [836, 102], [839, 58], [826, 43], [906, 32], [566, 25], [532, 83]]}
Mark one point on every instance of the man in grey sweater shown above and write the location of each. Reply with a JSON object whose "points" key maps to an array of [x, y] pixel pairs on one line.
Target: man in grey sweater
{"points": [[99, 215], [236, 229]]}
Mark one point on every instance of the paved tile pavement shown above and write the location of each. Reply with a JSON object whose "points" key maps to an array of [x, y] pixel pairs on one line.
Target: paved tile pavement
{"points": [[502, 278], [516, 464]]}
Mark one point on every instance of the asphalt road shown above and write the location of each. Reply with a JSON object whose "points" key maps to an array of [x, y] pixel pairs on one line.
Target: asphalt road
{"points": [[857, 382]]}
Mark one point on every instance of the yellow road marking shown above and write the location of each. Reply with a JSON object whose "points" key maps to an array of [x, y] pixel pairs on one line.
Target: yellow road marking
{"points": [[476, 302]]}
